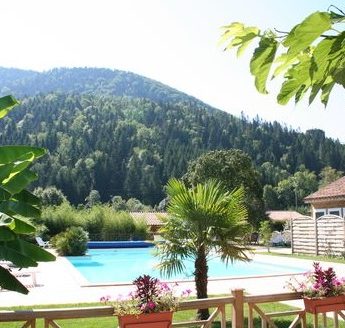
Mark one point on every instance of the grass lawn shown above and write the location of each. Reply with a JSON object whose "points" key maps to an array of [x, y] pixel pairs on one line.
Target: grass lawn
{"points": [[111, 322], [306, 257]]}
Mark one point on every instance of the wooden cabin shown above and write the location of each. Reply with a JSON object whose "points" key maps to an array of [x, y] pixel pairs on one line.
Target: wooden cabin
{"points": [[328, 200]]}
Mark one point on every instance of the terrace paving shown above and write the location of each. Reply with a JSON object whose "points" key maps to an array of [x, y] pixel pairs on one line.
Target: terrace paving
{"points": [[60, 283]]}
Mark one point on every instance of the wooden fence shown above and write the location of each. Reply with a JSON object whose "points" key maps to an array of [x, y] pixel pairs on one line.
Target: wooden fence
{"points": [[323, 236], [237, 300]]}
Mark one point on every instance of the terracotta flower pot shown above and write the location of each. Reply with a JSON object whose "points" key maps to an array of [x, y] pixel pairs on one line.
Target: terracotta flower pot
{"points": [[326, 304], [146, 320]]}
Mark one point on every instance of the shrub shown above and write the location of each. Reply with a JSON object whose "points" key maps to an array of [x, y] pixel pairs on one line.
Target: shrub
{"points": [[117, 225], [72, 242], [265, 232], [141, 231], [50, 196], [94, 221], [118, 204], [58, 219], [93, 198], [100, 221]]}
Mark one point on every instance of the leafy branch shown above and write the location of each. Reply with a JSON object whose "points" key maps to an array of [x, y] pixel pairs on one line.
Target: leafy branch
{"points": [[17, 206], [309, 58]]}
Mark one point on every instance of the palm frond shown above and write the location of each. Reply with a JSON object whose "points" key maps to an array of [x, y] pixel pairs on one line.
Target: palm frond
{"points": [[205, 216], [171, 266]]}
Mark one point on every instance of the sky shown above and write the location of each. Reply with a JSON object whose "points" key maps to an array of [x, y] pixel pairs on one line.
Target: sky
{"points": [[172, 41]]}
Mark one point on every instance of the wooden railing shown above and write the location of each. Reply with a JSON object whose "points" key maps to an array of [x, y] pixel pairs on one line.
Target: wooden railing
{"points": [[237, 301], [217, 303], [266, 318]]}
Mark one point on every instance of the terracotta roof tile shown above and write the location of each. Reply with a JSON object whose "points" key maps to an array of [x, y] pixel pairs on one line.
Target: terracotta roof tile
{"points": [[335, 189], [281, 216], [151, 218]]}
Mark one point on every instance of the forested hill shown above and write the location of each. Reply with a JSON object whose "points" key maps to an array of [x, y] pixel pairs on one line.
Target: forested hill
{"points": [[92, 81], [130, 143]]}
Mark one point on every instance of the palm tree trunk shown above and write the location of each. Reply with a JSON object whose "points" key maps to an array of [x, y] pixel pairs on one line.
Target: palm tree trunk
{"points": [[201, 270]]}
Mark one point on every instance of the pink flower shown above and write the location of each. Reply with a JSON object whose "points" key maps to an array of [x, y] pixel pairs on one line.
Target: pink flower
{"points": [[151, 305], [164, 287], [105, 299], [316, 286], [149, 296], [186, 292], [337, 282]]}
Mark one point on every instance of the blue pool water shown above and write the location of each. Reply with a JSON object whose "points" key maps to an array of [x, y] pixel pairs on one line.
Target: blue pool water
{"points": [[126, 264]]}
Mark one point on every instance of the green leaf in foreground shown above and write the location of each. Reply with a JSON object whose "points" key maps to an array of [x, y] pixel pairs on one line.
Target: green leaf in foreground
{"points": [[8, 281], [11, 154], [262, 60], [16, 203], [6, 105], [237, 35], [297, 81], [305, 33], [320, 37]]}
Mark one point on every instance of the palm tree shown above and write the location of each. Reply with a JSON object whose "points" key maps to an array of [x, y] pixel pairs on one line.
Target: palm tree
{"points": [[202, 220]]}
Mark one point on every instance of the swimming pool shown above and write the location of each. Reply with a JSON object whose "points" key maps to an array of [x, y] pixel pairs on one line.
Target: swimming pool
{"points": [[124, 265]]}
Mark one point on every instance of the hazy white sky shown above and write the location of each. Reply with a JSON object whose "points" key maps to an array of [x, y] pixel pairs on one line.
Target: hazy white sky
{"points": [[172, 41]]}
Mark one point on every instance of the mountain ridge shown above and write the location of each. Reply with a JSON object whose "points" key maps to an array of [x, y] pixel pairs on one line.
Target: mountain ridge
{"points": [[14, 84], [127, 135]]}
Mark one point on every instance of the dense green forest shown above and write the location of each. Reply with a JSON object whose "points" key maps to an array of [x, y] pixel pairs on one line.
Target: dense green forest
{"points": [[123, 134]]}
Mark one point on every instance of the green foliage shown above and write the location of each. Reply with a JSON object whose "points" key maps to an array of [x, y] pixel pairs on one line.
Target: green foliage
{"points": [[261, 61], [131, 205], [93, 198], [17, 205], [289, 193], [311, 55], [271, 175], [234, 169], [118, 204], [7, 103], [100, 81], [117, 226], [203, 221], [134, 205], [328, 175], [100, 221], [271, 198], [94, 221], [58, 219], [72, 242], [130, 147], [50, 196], [265, 233], [141, 231]]}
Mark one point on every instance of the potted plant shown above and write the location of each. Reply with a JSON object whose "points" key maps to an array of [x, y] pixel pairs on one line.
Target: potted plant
{"points": [[322, 290], [151, 304]]}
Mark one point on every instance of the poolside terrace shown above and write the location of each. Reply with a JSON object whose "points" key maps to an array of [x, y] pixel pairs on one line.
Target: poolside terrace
{"points": [[60, 283]]}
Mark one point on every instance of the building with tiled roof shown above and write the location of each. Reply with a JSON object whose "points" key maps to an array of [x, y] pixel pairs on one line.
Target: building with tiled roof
{"points": [[152, 219], [329, 199], [282, 216]]}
